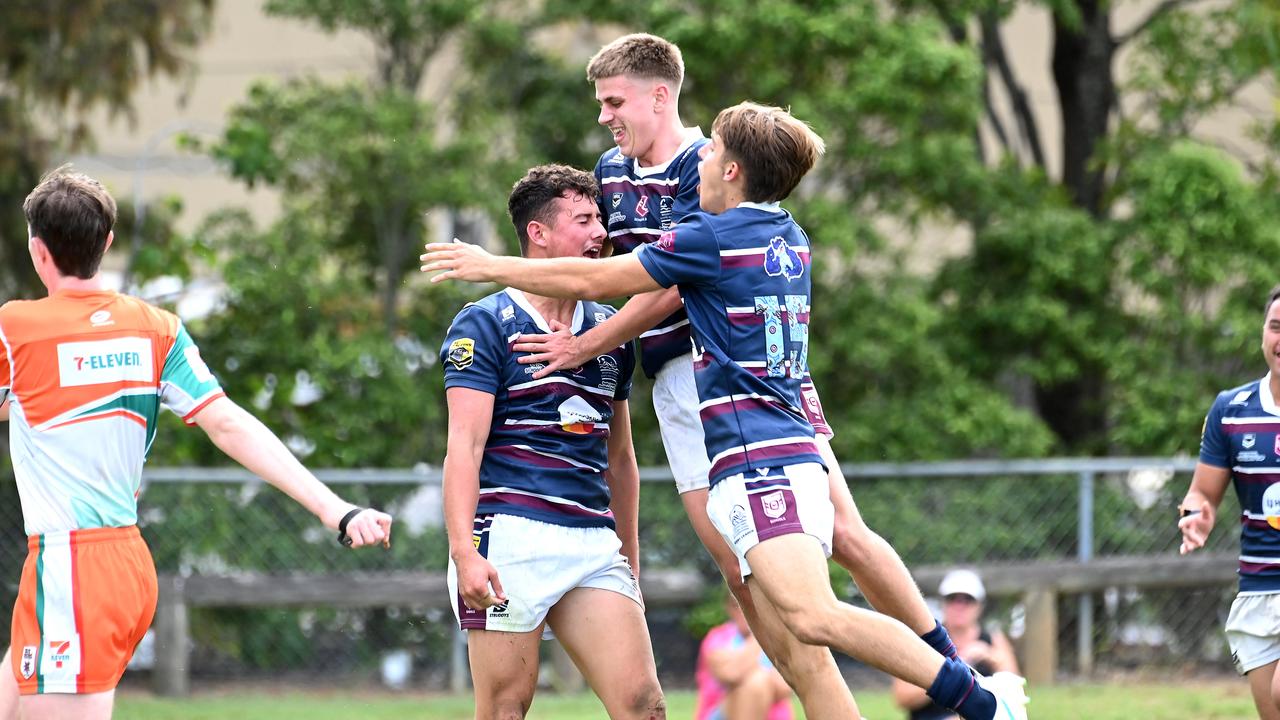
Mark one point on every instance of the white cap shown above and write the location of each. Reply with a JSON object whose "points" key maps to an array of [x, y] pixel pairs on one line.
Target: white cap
{"points": [[963, 582]]}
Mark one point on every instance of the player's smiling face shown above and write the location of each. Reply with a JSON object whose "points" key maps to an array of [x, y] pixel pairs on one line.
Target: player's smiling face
{"points": [[575, 230], [1271, 338], [627, 110]]}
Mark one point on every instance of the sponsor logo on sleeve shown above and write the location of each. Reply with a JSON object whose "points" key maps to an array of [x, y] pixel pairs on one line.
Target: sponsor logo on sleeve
{"points": [[1241, 397], [97, 362], [667, 241], [462, 352]]}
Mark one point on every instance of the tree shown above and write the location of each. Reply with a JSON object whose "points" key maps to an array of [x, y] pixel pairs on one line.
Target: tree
{"points": [[61, 61]]}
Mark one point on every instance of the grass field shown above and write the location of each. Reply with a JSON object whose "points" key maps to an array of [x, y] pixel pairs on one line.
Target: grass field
{"points": [[1224, 700]]}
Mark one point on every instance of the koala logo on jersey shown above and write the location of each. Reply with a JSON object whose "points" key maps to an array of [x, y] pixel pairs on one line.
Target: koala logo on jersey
{"points": [[608, 373], [462, 352], [781, 260]]}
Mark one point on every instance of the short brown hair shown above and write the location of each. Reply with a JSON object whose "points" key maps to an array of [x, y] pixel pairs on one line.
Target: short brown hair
{"points": [[73, 214], [533, 196], [774, 149], [639, 55]]}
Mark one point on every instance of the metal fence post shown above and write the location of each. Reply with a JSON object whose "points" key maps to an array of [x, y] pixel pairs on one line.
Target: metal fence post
{"points": [[1084, 640]]}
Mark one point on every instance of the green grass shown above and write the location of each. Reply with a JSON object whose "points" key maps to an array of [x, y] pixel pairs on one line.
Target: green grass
{"points": [[1218, 700]]}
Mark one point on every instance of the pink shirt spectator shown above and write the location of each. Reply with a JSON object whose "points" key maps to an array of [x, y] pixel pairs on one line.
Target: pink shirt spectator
{"points": [[710, 692]]}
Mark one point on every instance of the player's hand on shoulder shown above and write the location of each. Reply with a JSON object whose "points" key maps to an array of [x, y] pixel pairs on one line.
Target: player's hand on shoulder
{"points": [[556, 350], [456, 261], [475, 577]]}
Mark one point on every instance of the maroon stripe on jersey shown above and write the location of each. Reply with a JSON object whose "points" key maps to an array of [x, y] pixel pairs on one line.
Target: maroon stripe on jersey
{"points": [[1266, 426], [558, 389], [745, 404], [536, 503], [532, 458], [754, 260], [1259, 523], [762, 456], [639, 188], [1249, 568], [1257, 478]]}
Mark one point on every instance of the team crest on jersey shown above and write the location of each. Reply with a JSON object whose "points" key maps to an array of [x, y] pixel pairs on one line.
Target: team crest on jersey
{"points": [[28, 665], [508, 313], [617, 198], [781, 260], [462, 352], [642, 207], [774, 504], [1248, 440]]}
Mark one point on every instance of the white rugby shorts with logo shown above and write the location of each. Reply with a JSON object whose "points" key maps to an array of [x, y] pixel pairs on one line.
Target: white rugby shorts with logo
{"points": [[752, 507], [538, 563], [675, 402], [1253, 631]]}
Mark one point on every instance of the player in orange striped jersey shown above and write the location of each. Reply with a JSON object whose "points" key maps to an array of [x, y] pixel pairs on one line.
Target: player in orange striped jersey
{"points": [[83, 374]]}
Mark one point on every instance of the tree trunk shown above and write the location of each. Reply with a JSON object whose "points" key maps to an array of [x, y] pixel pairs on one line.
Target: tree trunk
{"points": [[1082, 72]]}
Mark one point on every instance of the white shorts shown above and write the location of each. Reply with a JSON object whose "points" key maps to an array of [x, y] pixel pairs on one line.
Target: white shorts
{"points": [[537, 564], [675, 402], [752, 507], [1253, 631]]}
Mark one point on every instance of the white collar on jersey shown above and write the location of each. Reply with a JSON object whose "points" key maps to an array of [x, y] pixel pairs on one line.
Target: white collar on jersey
{"points": [[772, 207], [519, 298], [691, 135], [1264, 396]]}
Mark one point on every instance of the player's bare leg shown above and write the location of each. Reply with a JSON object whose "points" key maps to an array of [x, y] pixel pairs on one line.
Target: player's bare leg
{"points": [[1265, 690], [875, 566], [8, 690], [504, 672], [809, 669], [95, 706], [606, 636], [789, 575]]}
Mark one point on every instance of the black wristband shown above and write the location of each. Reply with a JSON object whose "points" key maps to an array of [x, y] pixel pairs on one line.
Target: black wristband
{"points": [[343, 538]]}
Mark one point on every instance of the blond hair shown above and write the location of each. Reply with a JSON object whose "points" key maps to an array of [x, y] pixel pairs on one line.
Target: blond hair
{"points": [[639, 55]]}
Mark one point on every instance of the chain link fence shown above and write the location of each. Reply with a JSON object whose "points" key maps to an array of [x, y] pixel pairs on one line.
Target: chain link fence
{"points": [[223, 523]]}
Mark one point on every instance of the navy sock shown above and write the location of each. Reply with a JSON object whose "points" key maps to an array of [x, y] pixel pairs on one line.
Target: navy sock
{"points": [[939, 639], [956, 688]]}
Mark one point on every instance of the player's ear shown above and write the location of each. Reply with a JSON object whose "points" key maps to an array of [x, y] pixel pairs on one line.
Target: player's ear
{"points": [[661, 96], [111, 236], [537, 233]]}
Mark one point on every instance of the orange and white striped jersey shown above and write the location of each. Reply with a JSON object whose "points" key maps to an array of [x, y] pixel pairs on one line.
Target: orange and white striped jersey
{"points": [[85, 372]]}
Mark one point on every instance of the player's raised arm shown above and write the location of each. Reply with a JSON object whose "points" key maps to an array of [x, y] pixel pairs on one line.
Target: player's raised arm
{"points": [[562, 349], [562, 277]]}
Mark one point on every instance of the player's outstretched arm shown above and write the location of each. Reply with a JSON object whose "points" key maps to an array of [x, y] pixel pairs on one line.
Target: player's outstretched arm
{"points": [[623, 478], [247, 441], [1200, 506], [470, 415], [563, 277], [562, 349]]}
